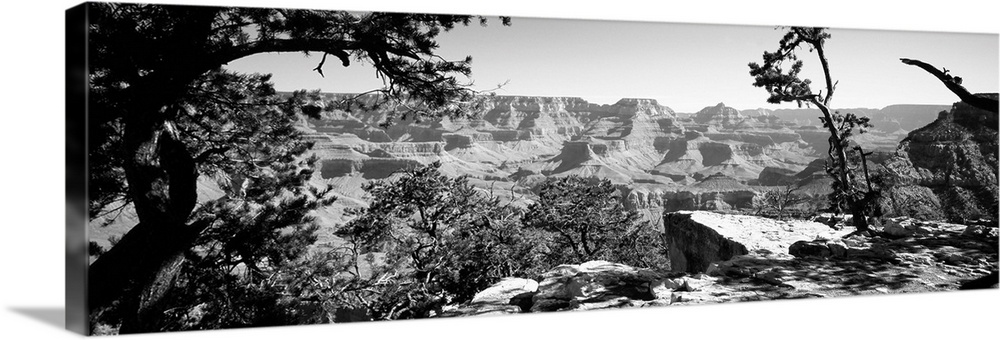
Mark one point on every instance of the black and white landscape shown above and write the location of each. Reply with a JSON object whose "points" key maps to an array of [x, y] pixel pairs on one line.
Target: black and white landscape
{"points": [[222, 198]]}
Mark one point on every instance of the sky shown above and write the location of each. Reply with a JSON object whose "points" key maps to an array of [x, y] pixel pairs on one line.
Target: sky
{"points": [[683, 66]]}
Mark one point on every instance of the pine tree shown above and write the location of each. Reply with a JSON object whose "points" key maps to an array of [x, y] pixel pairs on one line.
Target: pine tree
{"points": [[162, 114], [786, 86], [443, 241], [585, 219]]}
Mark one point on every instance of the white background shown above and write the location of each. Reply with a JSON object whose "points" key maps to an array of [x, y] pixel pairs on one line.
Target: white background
{"points": [[31, 201]]}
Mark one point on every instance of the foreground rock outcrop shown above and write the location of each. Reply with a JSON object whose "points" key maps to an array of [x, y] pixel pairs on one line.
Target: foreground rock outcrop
{"points": [[697, 239], [735, 258], [594, 285]]}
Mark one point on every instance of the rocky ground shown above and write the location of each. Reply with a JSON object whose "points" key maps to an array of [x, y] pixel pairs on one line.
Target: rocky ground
{"points": [[907, 256]]}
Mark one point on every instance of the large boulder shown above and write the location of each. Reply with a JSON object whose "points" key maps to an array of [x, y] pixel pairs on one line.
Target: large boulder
{"points": [[597, 284], [509, 296], [981, 231], [696, 239], [510, 291]]}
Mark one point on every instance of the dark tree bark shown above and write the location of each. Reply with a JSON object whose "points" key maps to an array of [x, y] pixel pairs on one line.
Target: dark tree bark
{"points": [[954, 84], [162, 181]]}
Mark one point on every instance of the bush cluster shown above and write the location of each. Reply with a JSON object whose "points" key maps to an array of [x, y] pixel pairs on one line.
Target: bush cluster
{"points": [[440, 240]]}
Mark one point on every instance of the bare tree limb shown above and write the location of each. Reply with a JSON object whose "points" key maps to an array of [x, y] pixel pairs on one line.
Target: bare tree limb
{"points": [[955, 85]]}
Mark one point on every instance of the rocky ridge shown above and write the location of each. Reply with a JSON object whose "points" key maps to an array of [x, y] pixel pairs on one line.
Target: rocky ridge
{"points": [[730, 258], [947, 169], [517, 141]]}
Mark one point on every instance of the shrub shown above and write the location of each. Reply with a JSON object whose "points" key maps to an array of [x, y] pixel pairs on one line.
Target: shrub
{"points": [[585, 219], [442, 240]]}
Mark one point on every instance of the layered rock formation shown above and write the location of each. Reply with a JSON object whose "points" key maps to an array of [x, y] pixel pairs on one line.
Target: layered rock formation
{"points": [[715, 159], [715, 192], [889, 119], [719, 139], [668, 161], [947, 169]]}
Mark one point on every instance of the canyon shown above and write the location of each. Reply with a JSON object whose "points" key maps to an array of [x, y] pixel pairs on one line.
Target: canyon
{"points": [[718, 158]]}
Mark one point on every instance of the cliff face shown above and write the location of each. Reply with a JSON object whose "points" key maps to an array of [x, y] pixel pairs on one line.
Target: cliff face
{"points": [[947, 169], [723, 116], [715, 192], [720, 139], [890, 118], [668, 161]]}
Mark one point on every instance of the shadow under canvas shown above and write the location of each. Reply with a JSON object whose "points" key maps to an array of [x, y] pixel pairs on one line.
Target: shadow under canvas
{"points": [[53, 316]]}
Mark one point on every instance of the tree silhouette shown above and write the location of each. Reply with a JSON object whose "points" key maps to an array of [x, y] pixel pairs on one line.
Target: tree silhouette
{"points": [[786, 86], [162, 114]]}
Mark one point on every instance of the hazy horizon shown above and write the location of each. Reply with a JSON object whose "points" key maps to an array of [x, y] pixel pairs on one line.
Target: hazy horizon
{"points": [[683, 66]]}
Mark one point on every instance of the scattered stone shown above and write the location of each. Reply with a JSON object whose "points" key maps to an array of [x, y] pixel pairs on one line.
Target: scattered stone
{"points": [[693, 298], [810, 248], [989, 281], [833, 220], [856, 241], [692, 284], [773, 276], [981, 271], [549, 305], [916, 259], [899, 227], [953, 259], [502, 292], [618, 302], [906, 227], [837, 248], [569, 286], [981, 231]]}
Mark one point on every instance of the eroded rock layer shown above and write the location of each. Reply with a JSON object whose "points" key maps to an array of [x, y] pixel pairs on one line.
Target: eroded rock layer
{"points": [[947, 169]]}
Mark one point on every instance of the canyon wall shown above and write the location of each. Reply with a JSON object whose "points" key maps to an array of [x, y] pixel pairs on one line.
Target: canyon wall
{"points": [[947, 169], [668, 161]]}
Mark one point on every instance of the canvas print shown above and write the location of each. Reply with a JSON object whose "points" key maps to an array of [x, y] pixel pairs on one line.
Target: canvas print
{"points": [[254, 167]]}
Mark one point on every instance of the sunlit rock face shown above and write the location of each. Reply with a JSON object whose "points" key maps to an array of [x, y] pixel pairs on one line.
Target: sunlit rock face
{"points": [[715, 192], [713, 159], [722, 116], [719, 139], [955, 159]]}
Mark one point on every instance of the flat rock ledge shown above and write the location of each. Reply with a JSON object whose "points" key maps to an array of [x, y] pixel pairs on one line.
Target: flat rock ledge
{"points": [[697, 239]]}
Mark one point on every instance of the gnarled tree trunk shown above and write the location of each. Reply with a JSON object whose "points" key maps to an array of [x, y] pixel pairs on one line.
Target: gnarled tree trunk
{"points": [[162, 180]]}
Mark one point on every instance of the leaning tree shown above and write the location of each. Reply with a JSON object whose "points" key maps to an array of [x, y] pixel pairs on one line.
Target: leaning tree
{"points": [[163, 113], [954, 84], [779, 75]]}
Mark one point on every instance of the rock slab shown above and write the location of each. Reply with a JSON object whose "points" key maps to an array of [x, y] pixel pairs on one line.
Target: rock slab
{"points": [[696, 239]]}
